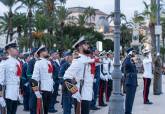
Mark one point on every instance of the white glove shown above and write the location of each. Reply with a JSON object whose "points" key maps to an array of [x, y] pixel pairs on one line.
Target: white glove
{"points": [[2, 102], [103, 77], [106, 77], [94, 80], [20, 98], [38, 95], [77, 96]]}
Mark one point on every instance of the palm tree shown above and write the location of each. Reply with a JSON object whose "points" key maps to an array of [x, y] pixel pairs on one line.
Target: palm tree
{"points": [[20, 22], [30, 4], [150, 13], [139, 19], [4, 25], [61, 15], [163, 33], [82, 20], [9, 4], [90, 13], [126, 37], [112, 16]]}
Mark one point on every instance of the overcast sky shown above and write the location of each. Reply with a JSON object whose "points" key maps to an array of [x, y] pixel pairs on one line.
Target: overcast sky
{"points": [[127, 6]]}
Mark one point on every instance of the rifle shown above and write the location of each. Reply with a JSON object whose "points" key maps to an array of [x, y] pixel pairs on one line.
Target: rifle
{"points": [[78, 104]]}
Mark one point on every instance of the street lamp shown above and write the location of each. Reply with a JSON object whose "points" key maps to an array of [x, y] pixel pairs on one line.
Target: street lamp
{"points": [[157, 75], [117, 100]]}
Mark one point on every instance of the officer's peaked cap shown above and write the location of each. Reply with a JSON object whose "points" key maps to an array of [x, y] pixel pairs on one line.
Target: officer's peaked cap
{"points": [[67, 53], [80, 41], [34, 51], [130, 49], [11, 45], [41, 49]]}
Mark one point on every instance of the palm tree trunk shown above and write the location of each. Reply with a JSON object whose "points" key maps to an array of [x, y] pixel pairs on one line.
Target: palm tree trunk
{"points": [[163, 47], [10, 25], [7, 37], [30, 27], [153, 39]]}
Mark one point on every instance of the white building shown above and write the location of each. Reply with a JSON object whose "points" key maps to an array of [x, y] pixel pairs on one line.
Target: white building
{"points": [[76, 11]]}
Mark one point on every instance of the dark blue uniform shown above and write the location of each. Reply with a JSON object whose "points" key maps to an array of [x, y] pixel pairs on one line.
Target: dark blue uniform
{"points": [[33, 99], [26, 87], [66, 96], [96, 86], [56, 69], [130, 83]]}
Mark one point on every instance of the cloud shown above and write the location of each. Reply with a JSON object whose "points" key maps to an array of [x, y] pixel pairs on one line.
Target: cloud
{"points": [[3, 9]]}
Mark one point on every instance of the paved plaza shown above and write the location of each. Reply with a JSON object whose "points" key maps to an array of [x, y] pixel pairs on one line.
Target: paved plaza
{"points": [[139, 107]]}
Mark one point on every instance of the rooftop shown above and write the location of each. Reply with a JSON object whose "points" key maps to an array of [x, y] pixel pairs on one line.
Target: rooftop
{"points": [[82, 9]]}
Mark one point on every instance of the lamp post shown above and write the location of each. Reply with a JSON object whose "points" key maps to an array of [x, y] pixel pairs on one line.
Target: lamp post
{"points": [[116, 105], [157, 75]]}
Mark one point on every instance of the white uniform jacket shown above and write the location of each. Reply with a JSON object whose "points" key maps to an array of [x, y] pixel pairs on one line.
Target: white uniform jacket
{"points": [[147, 65], [43, 72], [105, 69], [80, 69], [9, 77]]}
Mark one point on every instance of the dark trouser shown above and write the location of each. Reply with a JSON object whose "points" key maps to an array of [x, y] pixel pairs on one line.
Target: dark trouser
{"points": [[54, 95], [147, 82], [26, 96], [123, 84], [11, 106], [67, 102], [130, 95], [32, 102], [85, 106], [95, 92], [46, 98], [108, 89], [102, 91]]}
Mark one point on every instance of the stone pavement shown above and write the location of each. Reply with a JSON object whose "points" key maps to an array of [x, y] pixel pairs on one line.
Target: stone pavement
{"points": [[138, 108]]}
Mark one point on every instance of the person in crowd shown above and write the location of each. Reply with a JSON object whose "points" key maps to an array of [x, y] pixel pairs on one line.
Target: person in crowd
{"points": [[25, 83], [103, 79], [147, 75], [96, 81], [67, 99], [30, 68], [130, 71], [10, 75], [42, 78], [110, 70], [55, 60], [78, 79]]}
